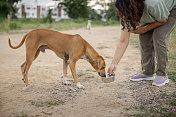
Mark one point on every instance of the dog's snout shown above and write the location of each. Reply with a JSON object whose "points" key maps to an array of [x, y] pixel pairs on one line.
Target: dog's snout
{"points": [[103, 75], [99, 74]]}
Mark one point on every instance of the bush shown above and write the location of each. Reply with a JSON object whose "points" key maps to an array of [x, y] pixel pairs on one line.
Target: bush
{"points": [[14, 26]]}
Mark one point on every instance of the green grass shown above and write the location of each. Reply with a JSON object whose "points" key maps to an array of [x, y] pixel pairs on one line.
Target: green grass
{"points": [[23, 115], [149, 114], [171, 69], [90, 70], [165, 107], [48, 103], [102, 47], [28, 24]]}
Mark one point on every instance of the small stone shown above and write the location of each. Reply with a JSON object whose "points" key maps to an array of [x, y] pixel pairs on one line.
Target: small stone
{"points": [[72, 89], [80, 74], [69, 95], [99, 81], [47, 113], [89, 76]]}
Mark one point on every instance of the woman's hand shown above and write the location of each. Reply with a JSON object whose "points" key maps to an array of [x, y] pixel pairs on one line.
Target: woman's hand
{"points": [[112, 69], [144, 29], [139, 30]]}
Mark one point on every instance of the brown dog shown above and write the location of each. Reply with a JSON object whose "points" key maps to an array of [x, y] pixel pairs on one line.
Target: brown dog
{"points": [[70, 48]]}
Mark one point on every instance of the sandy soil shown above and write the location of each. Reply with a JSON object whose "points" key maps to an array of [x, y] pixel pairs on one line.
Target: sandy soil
{"points": [[49, 98]]}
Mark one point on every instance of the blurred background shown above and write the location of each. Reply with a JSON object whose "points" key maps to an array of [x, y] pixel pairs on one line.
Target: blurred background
{"points": [[53, 14]]}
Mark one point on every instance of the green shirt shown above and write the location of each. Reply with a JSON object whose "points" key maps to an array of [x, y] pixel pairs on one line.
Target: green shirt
{"points": [[156, 10]]}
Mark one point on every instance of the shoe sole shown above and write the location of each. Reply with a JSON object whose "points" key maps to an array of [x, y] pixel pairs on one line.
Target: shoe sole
{"points": [[167, 81], [139, 79]]}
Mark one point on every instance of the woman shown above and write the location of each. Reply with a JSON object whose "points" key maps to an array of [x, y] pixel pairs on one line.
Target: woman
{"points": [[154, 21]]}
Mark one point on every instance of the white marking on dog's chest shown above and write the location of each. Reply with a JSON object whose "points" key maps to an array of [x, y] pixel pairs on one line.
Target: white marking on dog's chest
{"points": [[85, 58]]}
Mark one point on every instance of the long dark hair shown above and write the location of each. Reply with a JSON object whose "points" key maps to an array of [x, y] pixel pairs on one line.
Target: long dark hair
{"points": [[130, 12]]}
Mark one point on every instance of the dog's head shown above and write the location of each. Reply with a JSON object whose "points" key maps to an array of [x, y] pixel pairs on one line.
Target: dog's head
{"points": [[99, 66]]}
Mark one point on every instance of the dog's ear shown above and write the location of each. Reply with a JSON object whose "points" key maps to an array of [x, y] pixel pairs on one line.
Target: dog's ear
{"points": [[99, 64]]}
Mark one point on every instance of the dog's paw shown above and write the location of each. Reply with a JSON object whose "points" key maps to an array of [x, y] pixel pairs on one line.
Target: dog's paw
{"points": [[65, 82], [23, 80], [27, 88], [80, 86]]}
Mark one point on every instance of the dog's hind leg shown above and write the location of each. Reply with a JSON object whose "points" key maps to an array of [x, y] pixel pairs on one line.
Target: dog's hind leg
{"points": [[23, 67], [37, 53], [29, 60], [65, 66], [32, 52]]}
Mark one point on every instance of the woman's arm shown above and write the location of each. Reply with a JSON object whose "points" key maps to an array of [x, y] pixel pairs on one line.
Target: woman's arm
{"points": [[120, 50], [143, 29]]}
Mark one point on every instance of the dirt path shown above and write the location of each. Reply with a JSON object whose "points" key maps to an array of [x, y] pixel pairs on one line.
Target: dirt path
{"points": [[49, 98]]}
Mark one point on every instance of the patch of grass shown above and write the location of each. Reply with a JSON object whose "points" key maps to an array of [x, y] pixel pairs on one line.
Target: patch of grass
{"points": [[169, 114], [172, 57], [146, 114], [128, 108], [171, 74], [102, 47], [38, 104], [108, 57], [23, 115], [54, 102], [132, 88], [90, 70], [154, 113], [102, 23], [165, 107], [173, 94], [163, 94], [48, 103], [30, 24], [172, 102], [14, 25], [171, 69]]}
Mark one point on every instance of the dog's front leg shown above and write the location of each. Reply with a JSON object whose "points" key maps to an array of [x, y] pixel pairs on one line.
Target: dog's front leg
{"points": [[65, 66], [65, 81], [72, 68]]}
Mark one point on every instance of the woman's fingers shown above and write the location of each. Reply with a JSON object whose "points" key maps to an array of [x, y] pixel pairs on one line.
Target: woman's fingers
{"points": [[112, 69]]}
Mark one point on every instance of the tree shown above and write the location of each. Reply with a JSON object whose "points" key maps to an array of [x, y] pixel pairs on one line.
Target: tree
{"points": [[49, 17], [94, 15], [7, 8], [104, 5], [109, 10], [112, 11], [76, 8]]}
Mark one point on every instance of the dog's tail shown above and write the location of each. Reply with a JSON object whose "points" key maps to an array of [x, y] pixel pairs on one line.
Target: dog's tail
{"points": [[15, 47]]}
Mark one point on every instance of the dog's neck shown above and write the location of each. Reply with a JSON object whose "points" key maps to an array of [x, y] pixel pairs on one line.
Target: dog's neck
{"points": [[91, 54]]}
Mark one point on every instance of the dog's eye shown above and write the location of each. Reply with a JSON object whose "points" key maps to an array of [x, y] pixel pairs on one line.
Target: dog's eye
{"points": [[102, 68]]}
